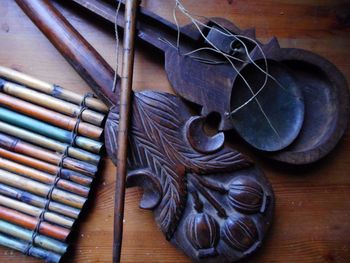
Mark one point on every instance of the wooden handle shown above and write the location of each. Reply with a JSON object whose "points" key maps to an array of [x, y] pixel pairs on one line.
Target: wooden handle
{"points": [[77, 51]]}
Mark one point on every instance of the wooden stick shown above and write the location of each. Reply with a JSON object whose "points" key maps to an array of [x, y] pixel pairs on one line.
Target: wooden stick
{"points": [[78, 52], [32, 186], [35, 211], [18, 146], [124, 119], [48, 143], [29, 222], [47, 130], [34, 251], [50, 102], [51, 89], [35, 200], [42, 241], [46, 167], [49, 116], [43, 177]]}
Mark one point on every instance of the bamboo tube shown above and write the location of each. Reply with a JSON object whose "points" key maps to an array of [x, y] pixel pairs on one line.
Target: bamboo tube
{"points": [[34, 187], [30, 222], [35, 211], [50, 102], [43, 177], [35, 200], [49, 116], [26, 235], [48, 143], [124, 121], [48, 130], [46, 167], [51, 89], [21, 246], [18, 146]]}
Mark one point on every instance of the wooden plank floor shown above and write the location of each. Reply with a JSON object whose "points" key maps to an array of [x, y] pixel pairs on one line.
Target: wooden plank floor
{"points": [[312, 217]]}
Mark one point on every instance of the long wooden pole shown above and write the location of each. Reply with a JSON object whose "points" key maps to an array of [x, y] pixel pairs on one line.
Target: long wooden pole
{"points": [[124, 119]]}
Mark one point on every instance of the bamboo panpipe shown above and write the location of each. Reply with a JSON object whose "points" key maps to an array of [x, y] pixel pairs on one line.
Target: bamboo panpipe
{"points": [[35, 211], [18, 146], [50, 102], [30, 222], [26, 235], [49, 116], [48, 143], [43, 177], [51, 89], [34, 187], [46, 167], [34, 251], [48, 130], [35, 200]]}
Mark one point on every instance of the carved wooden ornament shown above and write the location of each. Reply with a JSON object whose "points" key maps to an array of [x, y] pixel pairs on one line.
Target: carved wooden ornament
{"points": [[212, 203]]}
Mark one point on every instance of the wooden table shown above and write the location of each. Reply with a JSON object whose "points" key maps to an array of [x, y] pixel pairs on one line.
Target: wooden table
{"points": [[312, 217]]}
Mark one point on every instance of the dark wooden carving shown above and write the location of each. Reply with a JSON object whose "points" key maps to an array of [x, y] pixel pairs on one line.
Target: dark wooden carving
{"points": [[213, 204], [312, 113]]}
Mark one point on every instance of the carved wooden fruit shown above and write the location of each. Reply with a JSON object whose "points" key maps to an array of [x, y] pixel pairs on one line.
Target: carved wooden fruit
{"points": [[203, 233], [246, 195], [240, 233]]}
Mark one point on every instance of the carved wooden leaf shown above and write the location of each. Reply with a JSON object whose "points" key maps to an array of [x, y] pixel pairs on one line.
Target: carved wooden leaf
{"points": [[148, 142], [166, 109]]}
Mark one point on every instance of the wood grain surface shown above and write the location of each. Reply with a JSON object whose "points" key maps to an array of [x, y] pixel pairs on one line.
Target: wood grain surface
{"points": [[312, 217]]}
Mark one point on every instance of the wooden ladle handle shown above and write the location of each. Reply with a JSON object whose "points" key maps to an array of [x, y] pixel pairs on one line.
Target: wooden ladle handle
{"points": [[77, 51]]}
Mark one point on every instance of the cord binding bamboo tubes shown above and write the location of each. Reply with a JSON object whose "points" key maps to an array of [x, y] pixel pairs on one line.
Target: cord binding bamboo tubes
{"points": [[50, 141]]}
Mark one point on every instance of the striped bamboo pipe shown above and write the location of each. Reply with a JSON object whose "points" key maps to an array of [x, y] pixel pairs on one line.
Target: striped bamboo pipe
{"points": [[48, 130], [38, 201], [30, 222], [46, 167], [50, 102], [43, 177], [49, 116], [26, 235], [35, 211], [35, 187], [21, 246], [51, 89], [48, 143], [18, 146]]}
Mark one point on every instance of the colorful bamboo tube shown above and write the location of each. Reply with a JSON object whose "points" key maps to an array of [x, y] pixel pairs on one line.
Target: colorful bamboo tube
{"points": [[51, 89], [30, 222], [21, 246], [34, 187], [46, 167], [26, 235], [49, 116], [18, 146], [35, 211], [38, 201], [48, 143], [48, 130], [43, 177], [50, 102]]}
